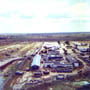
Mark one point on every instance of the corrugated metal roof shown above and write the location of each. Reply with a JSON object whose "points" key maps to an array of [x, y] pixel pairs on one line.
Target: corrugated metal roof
{"points": [[71, 59], [36, 60]]}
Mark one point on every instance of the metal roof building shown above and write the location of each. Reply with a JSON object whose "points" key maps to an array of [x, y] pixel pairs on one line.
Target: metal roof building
{"points": [[71, 59], [36, 61]]}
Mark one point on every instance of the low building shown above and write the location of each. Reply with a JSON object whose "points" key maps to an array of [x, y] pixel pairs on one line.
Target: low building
{"points": [[64, 70], [57, 64], [76, 64], [53, 52], [48, 64], [37, 74], [60, 77], [55, 57], [36, 62], [82, 49], [51, 45], [71, 59], [46, 72], [19, 73], [76, 43], [86, 59], [84, 44]]}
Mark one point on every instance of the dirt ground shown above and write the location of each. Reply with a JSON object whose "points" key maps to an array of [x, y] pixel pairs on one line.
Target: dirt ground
{"points": [[24, 50]]}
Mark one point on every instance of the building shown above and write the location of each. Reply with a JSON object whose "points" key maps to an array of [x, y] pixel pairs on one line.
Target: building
{"points": [[64, 69], [76, 43], [76, 64], [52, 46], [82, 49], [86, 60], [71, 59], [57, 64], [36, 62], [48, 64], [54, 57], [60, 77], [37, 74], [54, 52]]}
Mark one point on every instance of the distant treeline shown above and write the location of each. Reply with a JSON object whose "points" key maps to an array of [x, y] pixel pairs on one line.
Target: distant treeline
{"points": [[47, 36]]}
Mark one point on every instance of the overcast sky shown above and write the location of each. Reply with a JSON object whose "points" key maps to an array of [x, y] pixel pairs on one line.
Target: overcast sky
{"points": [[32, 16]]}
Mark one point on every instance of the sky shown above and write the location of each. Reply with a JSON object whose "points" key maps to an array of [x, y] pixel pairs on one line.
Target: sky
{"points": [[44, 16]]}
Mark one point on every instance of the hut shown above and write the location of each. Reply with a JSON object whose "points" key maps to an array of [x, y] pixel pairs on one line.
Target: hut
{"points": [[36, 62]]}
